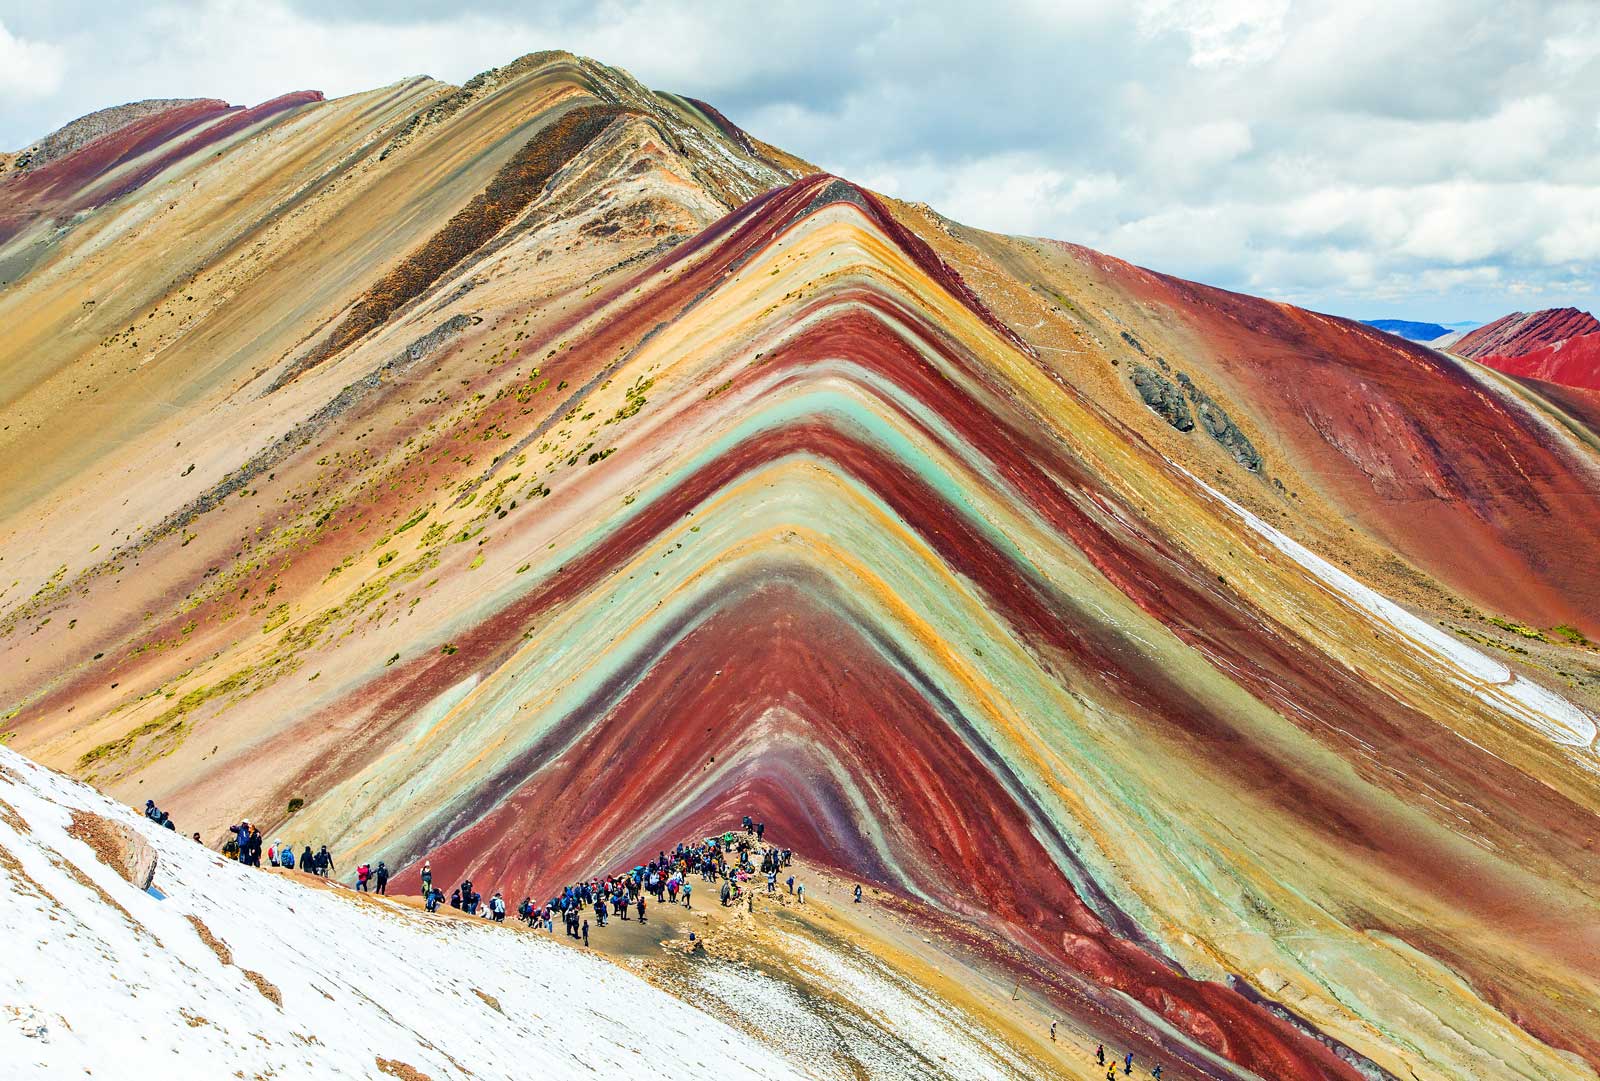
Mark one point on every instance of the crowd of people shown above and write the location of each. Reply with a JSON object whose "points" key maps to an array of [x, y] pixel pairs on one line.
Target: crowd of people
{"points": [[731, 860], [734, 861], [245, 844]]}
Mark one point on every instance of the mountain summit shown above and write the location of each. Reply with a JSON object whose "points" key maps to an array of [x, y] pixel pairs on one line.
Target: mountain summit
{"points": [[519, 480]]}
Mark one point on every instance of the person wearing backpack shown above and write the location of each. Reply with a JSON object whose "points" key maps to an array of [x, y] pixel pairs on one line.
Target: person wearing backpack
{"points": [[362, 874], [381, 879], [286, 856], [308, 861]]}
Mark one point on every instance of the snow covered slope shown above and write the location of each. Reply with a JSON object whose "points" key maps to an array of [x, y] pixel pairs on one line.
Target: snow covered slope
{"points": [[103, 980]]}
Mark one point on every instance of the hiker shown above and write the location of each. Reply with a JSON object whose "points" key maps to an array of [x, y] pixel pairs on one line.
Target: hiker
{"points": [[166, 820], [324, 861], [455, 897], [150, 811], [687, 889], [272, 855], [790, 883], [772, 882], [381, 877], [858, 893], [585, 932], [197, 840], [433, 897], [1156, 1073], [286, 856], [725, 894], [640, 906], [362, 874], [800, 892], [1100, 1054], [1127, 1064], [308, 861], [498, 907], [1052, 1032], [761, 829], [241, 841], [748, 824], [427, 877]]}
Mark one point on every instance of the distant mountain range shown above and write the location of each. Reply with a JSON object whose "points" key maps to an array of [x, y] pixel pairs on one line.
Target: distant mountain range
{"points": [[1414, 331], [1411, 331]]}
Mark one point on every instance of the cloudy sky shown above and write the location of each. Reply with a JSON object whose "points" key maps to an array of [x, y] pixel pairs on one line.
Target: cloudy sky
{"points": [[1436, 159]]}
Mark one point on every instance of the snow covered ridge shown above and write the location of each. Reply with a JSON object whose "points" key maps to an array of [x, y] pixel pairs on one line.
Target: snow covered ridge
{"points": [[102, 979], [1492, 681]]}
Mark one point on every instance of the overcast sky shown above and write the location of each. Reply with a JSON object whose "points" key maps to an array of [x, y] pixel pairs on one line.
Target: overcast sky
{"points": [[1433, 159]]}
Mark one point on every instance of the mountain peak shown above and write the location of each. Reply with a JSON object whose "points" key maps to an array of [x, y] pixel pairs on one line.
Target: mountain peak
{"points": [[1523, 332]]}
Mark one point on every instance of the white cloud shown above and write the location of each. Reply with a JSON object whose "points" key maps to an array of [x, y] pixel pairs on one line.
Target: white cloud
{"points": [[28, 69], [1446, 151], [1221, 33]]}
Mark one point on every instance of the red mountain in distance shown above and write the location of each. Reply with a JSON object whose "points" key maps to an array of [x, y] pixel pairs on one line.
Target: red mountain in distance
{"points": [[1573, 362], [1523, 332]]}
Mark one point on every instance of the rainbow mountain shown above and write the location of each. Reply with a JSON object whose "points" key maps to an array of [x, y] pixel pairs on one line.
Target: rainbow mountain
{"points": [[526, 476]]}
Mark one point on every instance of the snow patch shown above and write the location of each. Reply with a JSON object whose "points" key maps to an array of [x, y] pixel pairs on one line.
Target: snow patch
{"points": [[1489, 680], [104, 980]]}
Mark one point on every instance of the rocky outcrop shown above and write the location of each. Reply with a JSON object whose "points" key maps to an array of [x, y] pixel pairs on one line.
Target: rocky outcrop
{"points": [[1163, 397], [116, 846], [84, 130], [1220, 426], [1171, 402]]}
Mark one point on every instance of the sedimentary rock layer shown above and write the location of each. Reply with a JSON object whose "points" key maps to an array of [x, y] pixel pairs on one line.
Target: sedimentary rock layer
{"points": [[1523, 332]]}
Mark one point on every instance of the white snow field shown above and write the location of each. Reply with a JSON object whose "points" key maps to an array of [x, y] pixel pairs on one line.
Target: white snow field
{"points": [[102, 979]]}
